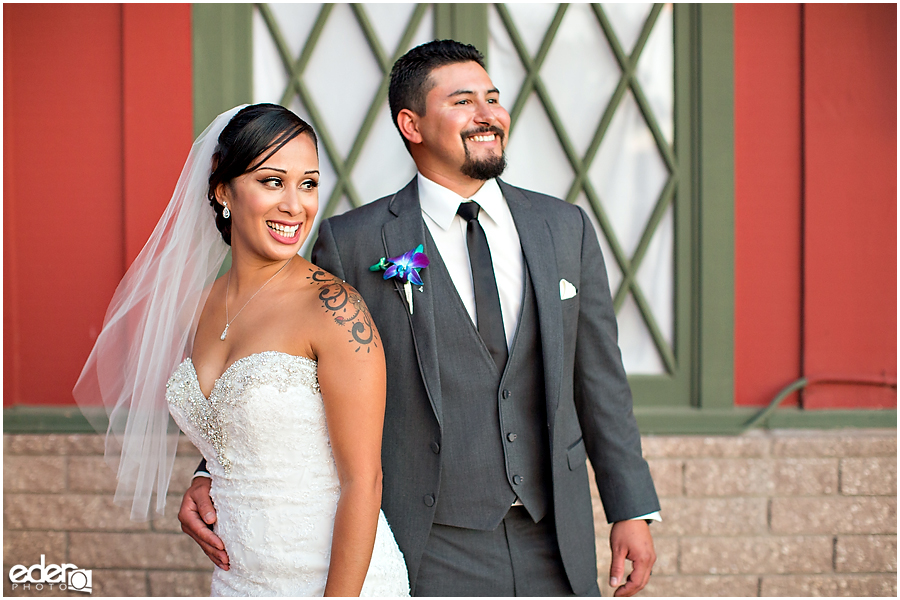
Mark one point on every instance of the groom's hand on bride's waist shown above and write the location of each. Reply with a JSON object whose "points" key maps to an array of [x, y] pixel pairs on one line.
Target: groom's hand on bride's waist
{"points": [[197, 516]]}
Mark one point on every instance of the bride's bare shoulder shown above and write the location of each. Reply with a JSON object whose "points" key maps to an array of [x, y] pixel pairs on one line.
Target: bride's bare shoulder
{"points": [[340, 310]]}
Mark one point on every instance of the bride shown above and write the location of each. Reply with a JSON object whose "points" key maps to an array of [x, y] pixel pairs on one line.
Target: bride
{"points": [[279, 375]]}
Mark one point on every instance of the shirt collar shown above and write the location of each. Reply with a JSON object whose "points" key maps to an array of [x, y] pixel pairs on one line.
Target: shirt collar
{"points": [[441, 204]]}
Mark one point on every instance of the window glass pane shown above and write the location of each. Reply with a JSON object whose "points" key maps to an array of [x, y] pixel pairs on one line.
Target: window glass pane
{"points": [[656, 72], [627, 19], [628, 173], [535, 156], [580, 88]]}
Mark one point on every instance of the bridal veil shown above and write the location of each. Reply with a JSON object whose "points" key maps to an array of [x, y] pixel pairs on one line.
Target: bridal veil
{"points": [[148, 330]]}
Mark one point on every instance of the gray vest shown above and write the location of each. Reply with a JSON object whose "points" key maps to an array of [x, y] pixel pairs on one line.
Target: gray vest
{"points": [[494, 443]]}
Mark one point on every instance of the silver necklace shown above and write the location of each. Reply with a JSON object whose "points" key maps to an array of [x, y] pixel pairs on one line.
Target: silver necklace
{"points": [[228, 287]]}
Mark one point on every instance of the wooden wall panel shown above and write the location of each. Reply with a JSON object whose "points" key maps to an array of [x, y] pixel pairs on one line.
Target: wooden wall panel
{"points": [[850, 302], [768, 200]]}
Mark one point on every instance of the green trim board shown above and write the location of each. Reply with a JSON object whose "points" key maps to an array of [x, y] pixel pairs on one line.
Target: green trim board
{"points": [[465, 22], [733, 421], [651, 420], [222, 49], [712, 83]]}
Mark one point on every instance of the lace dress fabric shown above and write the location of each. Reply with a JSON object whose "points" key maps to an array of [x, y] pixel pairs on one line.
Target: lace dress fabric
{"points": [[274, 481]]}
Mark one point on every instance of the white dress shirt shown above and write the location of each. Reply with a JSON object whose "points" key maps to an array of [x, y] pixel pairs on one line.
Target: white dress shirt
{"points": [[439, 206], [448, 229]]}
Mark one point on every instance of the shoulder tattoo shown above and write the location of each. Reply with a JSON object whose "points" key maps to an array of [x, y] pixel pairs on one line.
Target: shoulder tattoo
{"points": [[346, 307]]}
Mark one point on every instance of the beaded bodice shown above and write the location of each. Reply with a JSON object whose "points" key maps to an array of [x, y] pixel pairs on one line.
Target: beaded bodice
{"points": [[270, 374], [274, 482]]}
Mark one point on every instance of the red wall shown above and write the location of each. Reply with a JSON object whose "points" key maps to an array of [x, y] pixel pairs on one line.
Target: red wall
{"points": [[97, 122], [768, 200], [815, 201], [850, 233]]}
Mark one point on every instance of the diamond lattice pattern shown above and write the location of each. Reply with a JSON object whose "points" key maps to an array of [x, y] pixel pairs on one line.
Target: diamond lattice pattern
{"points": [[590, 89]]}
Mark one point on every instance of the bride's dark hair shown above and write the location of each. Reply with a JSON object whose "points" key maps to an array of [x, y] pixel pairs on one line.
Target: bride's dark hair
{"points": [[255, 130]]}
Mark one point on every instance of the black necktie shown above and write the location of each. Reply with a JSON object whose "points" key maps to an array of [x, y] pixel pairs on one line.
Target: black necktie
{"points": [[487, 299]]}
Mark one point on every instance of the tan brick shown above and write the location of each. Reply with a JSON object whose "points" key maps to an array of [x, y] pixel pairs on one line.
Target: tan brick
{"points": [[838, 443], [186, 448], [116, 582], [746, 555], [34, 473], [829, 585], [693, 585], [751, 445], [712, 516], [834, 514], [180, 583], [667, 476], [868, 585], [728, 477], [65, 512], [81, 444], [136, 551], [866, 554], [34, 443], [805, 476], [26, 547], [182, 473], [666, 554], [869, 476], [90, 474], [169, 520]]}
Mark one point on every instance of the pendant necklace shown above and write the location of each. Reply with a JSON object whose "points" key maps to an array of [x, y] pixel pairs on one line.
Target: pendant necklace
{"points": [[228, 287]]}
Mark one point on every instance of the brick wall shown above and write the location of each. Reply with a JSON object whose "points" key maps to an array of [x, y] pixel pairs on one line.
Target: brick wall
{"points": [[790, 513], [787, 513]]}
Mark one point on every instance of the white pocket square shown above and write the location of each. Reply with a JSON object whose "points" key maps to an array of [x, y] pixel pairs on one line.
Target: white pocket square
{"points": [[566, 290]]}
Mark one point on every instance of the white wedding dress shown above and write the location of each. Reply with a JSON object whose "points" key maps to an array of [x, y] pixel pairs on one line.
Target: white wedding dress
{"points": [[274, 482]]}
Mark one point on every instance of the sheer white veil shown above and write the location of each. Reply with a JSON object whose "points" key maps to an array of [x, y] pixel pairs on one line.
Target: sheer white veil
{"points": [[148, 330]]}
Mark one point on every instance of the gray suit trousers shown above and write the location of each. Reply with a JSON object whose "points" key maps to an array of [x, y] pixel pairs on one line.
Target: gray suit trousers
{"points": [[518, 558]]}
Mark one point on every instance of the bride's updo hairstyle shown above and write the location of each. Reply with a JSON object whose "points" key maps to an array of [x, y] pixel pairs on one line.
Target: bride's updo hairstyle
{"points": [[252, 136]]}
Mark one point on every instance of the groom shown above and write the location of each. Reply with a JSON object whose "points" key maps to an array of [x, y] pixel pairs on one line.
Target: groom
{"points": [[503, 370]]}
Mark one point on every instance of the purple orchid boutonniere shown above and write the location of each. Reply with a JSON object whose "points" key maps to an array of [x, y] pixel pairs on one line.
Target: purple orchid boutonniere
{"points": [[405, 268]]}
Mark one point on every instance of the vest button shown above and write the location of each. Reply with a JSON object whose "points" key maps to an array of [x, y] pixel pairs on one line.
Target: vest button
{"points": [[505, 394], [435, 447], [511, 437], [518, 479], [428, 499]]}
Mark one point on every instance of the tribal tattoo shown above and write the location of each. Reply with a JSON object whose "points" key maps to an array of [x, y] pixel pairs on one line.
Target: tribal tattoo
{"points": [[347, 307]]}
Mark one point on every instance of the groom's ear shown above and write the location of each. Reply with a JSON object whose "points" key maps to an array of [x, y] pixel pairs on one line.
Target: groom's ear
{"points": [[408, 123]]}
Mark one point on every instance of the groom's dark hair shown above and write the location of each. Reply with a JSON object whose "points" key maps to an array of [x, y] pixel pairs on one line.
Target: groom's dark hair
{"points": [[411, 75]]}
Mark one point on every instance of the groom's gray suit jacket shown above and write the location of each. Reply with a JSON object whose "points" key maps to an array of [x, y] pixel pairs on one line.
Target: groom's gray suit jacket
{"points": [[588, 401]]}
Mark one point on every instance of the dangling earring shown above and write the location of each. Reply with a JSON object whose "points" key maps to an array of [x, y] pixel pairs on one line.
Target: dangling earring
{"points": [[225, 212]]}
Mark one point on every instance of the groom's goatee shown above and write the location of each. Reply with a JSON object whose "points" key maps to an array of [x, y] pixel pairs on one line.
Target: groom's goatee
{"points": [[484, 169]]}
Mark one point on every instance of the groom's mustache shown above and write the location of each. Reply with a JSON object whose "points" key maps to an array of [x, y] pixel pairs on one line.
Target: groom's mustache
{"points": [[482, 130]]}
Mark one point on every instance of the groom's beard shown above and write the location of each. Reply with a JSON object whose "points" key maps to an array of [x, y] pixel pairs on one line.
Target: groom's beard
{"points": [[485, 168]]}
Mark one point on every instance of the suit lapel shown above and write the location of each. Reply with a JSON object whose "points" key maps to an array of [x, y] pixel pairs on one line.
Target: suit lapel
{"points": [[400, 235], [540, 256]]}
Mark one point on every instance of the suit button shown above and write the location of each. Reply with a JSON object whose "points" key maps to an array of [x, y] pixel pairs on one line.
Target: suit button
{"points": [[518, 479], [505, 394], [428, 499], [511, 437], [435, 447]]}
